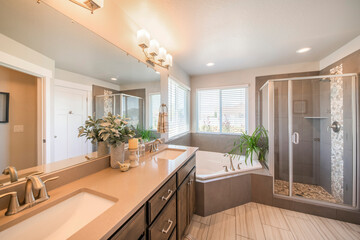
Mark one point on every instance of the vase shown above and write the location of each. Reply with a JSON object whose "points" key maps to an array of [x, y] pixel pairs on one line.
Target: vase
{"points": [[117, 154], [102, 149]]}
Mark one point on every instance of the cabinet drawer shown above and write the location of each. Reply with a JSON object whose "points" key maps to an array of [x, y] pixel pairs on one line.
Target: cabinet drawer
{"points": [[163, 226], [134, 228], [163, 196], [185, 170]]}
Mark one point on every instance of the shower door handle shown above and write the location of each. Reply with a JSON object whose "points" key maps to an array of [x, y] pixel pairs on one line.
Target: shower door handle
{"points": [[295, 138]]}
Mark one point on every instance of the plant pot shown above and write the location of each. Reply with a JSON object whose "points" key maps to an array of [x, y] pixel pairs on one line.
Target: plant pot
{"points": [[117, 154], [102, 149]]}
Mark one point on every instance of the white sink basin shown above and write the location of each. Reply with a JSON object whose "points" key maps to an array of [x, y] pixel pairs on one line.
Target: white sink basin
{"points": [[169, 154], [61, 220]]}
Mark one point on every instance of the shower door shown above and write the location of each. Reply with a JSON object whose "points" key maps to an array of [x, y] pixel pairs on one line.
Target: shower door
{"points": [[322, 139]]}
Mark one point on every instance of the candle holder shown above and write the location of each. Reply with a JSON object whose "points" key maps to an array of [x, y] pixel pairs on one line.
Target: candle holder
{"points": [[134, 157]]}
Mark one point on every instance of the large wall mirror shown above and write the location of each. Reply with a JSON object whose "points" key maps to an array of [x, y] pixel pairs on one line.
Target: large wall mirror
{"points": [[85, 75]]}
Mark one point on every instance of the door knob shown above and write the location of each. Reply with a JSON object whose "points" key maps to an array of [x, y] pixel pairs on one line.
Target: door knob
{"points": [[335, 126]]}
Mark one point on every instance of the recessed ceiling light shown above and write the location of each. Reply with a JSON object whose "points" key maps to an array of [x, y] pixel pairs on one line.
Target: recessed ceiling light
{"points": [[210, 64], [302, 50], [114, 79], [157, 72]]}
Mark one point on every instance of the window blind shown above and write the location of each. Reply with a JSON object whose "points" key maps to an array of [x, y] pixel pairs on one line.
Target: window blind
{"points": [[209, 110], [222, 110], [178, 107]]}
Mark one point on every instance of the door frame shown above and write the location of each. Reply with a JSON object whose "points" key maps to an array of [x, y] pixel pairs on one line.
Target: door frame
{"points": [[44, 77], [76, 86]]}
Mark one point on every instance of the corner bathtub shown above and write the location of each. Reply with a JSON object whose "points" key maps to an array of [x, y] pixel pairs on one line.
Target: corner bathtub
{"points": [[209, 165], [217, 190]]}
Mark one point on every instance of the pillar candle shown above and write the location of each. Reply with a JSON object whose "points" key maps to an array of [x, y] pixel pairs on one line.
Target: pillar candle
{"points": [[133, 143]]}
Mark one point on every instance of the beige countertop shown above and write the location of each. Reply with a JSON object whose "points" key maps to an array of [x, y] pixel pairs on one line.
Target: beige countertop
{"points": [[129, 189]]}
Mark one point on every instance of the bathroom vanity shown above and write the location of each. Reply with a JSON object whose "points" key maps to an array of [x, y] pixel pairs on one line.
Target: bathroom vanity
{"points": [[168, 212], [153, 201]]}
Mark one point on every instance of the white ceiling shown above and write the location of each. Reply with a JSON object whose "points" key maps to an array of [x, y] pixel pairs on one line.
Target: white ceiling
{"points": [[72, 46], [238, 34]]}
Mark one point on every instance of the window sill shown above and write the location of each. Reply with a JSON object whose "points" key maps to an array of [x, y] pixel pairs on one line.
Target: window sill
{"points": [[218, 133], [178, 136]]}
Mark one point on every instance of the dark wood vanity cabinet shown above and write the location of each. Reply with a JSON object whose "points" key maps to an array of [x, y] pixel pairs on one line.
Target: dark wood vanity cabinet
{"points": [[185, 203], [135, 228], [167, 213]]}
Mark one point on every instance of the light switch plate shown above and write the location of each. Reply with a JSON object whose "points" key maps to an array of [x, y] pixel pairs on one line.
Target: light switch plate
{"points": [[18, 128]]}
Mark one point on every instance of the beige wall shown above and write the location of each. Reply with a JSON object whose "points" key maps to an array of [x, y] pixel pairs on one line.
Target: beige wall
{"points": [[236, 78], [19, 149]]}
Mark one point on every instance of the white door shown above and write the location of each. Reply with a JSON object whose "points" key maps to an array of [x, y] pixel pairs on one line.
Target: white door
{"points": [[70, 111]]}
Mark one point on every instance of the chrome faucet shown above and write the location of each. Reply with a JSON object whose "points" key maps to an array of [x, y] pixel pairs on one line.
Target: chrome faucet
{"points": [[154, 146], [35, 183], [32, 183], [14, 206], [10, 170]]}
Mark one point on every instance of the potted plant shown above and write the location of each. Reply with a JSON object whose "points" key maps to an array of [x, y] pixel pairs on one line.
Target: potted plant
{"points": [[115, 131], [144, 134], [91, 131], [256, 143]]}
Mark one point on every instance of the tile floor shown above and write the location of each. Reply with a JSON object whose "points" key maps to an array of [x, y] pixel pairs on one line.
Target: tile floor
{"points": [[257, 221], [304, 190]]}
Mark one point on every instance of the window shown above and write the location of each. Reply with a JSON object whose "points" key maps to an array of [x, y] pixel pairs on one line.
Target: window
{"points": [[154, 105], [178, 109], [222, 110]]}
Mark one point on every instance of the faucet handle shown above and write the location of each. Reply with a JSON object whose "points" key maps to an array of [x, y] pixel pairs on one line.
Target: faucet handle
{"points": [[51, 179], [43, 194], [238, 166], [13, 203], [226, 168]]}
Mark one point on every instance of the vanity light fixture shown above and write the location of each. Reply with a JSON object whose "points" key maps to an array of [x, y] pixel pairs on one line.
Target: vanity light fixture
{"points": [[91, 5], [155, 55], [210, 64], [303, 50], [114, 79]]}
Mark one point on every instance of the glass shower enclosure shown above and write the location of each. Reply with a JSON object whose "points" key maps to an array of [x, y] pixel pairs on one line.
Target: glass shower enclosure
{"points": [[127, 106], [313, 129]]}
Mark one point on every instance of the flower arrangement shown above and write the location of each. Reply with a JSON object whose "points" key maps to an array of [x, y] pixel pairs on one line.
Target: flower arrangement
{"points": [[91, 130], [114, 130]]}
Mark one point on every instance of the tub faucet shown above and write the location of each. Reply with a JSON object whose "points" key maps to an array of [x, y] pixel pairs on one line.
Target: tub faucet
{"points": [[231, 164], [10, 170]]}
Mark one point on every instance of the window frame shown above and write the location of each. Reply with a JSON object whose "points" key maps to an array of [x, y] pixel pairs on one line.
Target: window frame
{"points": [[188, 110], [246, 86], [150, 109]]}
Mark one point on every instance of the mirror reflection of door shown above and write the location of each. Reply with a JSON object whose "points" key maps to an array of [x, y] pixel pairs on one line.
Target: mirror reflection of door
{"points": [[70, 108]]}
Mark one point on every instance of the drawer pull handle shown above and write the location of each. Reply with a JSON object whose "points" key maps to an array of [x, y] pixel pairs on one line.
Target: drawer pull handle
{"points": [[168, 229], [168, 196]]}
